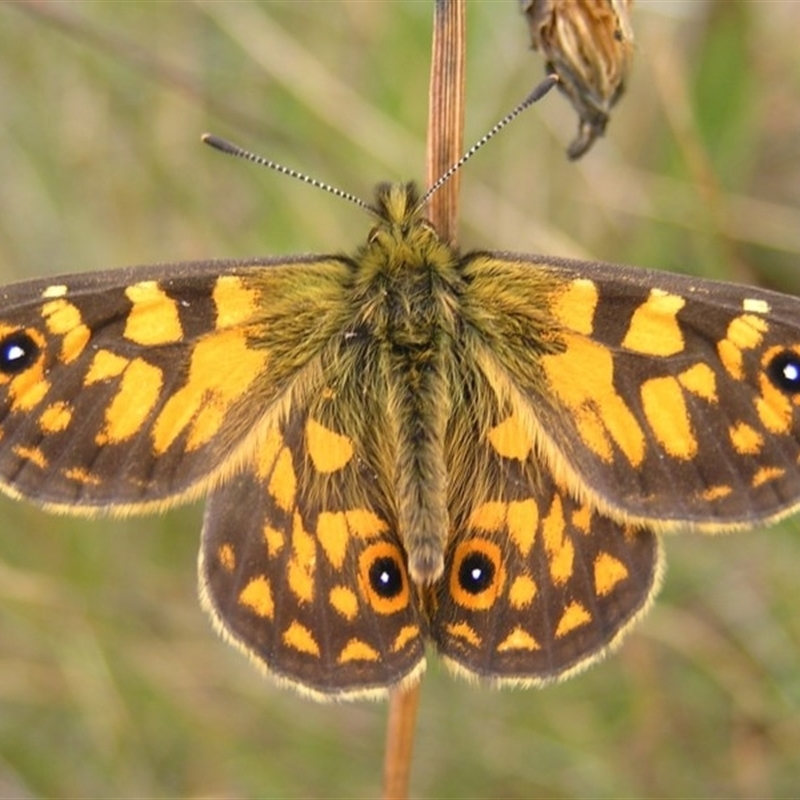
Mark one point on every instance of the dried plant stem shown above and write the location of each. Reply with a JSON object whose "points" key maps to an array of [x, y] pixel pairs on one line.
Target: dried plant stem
{"points": [[446, 112], [400, 727], [445, 145]]}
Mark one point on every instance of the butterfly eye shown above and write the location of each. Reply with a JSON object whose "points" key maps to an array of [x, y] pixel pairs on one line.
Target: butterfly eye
{"points": [[17, 352], [784, 371], [477, 575]]}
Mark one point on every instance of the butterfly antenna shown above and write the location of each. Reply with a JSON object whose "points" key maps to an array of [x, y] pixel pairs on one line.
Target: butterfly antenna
{"points": [[225, 146], [537, 94]]}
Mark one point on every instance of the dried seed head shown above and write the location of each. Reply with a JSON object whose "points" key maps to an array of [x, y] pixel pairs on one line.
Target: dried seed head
{"points": [[589, 45]]}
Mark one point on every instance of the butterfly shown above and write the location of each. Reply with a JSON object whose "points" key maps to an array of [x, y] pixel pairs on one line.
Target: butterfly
{"points": [[408, 445]]}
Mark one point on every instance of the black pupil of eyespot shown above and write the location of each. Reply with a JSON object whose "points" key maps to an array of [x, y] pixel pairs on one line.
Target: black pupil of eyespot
{"points": [[784, 371], [385, 577], [17, 352], [476, 573]]}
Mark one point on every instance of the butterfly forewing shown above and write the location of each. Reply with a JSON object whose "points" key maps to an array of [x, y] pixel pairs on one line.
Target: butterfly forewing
{"points": [[662, 398], [139, 386]]}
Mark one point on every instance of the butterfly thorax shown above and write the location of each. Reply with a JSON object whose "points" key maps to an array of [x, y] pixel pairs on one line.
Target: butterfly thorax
{"points": [[407, 286], [407, 277]]}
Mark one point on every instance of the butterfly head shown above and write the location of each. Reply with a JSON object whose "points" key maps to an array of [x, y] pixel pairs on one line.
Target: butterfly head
{"points": [[401, 228], [397, 203]]}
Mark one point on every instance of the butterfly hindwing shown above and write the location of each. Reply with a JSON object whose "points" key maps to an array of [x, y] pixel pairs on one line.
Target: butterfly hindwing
{"points": [[536, 584], [302, 568], [540, 587]]}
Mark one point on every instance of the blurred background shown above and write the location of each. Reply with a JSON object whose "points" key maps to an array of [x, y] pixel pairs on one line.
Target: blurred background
{"points": [[112, 681]]}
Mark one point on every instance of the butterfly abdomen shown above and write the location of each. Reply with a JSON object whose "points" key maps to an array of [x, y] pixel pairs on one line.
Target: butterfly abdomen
{"points": [[407, 291]]}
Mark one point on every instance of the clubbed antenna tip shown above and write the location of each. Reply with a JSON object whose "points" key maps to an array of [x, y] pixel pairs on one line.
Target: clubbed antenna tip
{"points": [[537, 94]]}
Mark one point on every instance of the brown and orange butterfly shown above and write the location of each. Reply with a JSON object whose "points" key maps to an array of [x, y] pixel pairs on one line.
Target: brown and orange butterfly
{"points": [[411, 444]]}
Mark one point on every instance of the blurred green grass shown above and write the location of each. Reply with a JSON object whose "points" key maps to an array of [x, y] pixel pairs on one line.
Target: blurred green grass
{"points": [[112, 682]]}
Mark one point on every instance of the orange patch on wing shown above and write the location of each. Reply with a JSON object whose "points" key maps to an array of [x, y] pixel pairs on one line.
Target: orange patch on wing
{"points": [[559, 547], [575, 615], [522, 520], [209, 388], [283, 481], [257, 596], [574, 304], [654, 329], [105, 365], [745, 439], [461, 630], [766, 474], [518, 639], [226, 556], [344, 601], [64, 319], [510, 440], [329, 451], [701, 381], [489, 516], [665, 408], [712, 493], [56, 417], [608, 572], [235, 302], [356, 650], [582, 377], [300, 638], [83, 476], [33, 455], [303, 563], [153, 318], [137, 395], [408, 633], [522, 592]]}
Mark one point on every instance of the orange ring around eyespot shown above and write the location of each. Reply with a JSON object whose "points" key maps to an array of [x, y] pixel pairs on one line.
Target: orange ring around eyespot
{"points": [[383, 605], [767, 361], [487, 597], [37, 339]]}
